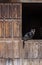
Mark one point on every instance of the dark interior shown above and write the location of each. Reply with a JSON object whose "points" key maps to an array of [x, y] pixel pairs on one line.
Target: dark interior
{"points": [[32, 18]]}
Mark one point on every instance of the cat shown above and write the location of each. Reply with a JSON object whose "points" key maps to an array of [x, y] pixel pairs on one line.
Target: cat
{"points": [[29, 35]]}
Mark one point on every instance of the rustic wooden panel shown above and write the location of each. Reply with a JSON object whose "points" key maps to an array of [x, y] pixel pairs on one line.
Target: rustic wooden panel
{"points": [[25, 0], [1, 29], [25, 62], [9, 50], [15, 11], [26, 50], [17, 28], [0, 11], [37, 0], [2, 49], [30, 50], [5, 11], [16, 50], [28, 62], [8, 29], [40, 62], [40, 50], [2, 62], [35, 62], [35, 50], [21, 49], [21, 61], [8, 62], [15, 0], [19, 11], [16, 62], [30, 55]]}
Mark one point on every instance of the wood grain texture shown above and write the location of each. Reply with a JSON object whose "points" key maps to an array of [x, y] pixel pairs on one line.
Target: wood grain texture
{"points": [[17, 28], [15, 11], [31, 50], [2, 49], [26, 1], [36, 0], [2, 61], [0, 11], [15, 0], [9, 50], [8, 29], [40, 50], [1, 29], [16, 50], [10, 10], [5, 10]]}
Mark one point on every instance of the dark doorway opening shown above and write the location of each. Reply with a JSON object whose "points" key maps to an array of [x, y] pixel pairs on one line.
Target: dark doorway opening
{"points": [[32, 18]]}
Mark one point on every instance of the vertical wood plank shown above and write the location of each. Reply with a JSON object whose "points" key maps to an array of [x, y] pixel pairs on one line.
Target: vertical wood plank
{"points": [[8, 62], [35, 50], [2, 62], [16, 62], [25, 61], [36, 62], [1, 29], [26, 50], [16, 49], [5, 11], [15, 0], [36, 0], [9, 50], [21, 49], [21, 61], [2, 49], [16, 28], [30, 50], [13, 11], [0, 11], [40, 61], [8, 29], [19, 13], [30, 62], [40, 50]]}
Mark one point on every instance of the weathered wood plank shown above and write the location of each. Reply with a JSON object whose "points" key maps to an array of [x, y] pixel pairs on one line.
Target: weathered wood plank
{"points": [[16, 50], [2, 49], [0, 11], [35, 50], [8, 29], [2, 62], [17, 28], [40, 50], [40, 62], [15, 11], [25, 1], [5, 10], [9, 50], [36, 0], [30, 50], [8, 62], [36, 62], [25, 61], [26, 50], [1, 29], [15, 0]]}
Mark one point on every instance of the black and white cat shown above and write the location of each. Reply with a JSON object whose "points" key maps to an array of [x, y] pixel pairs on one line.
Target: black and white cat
{"points": [[29, 35]]}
